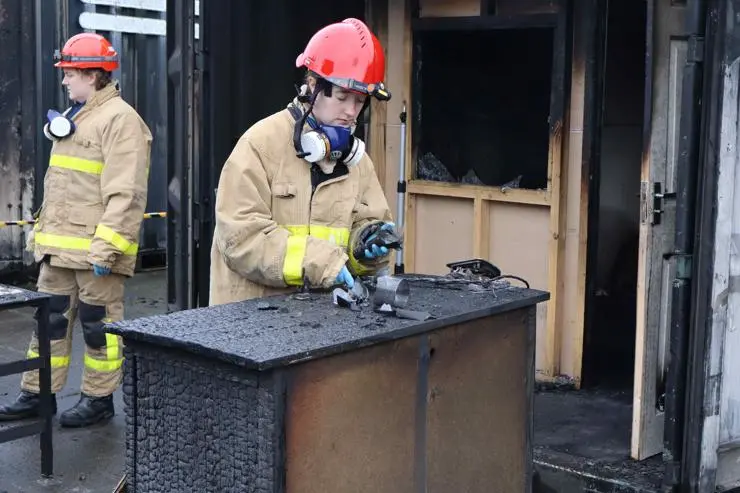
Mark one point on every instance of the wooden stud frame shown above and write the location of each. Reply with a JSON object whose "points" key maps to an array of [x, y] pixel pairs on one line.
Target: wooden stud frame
{"points": [[483, 196]]}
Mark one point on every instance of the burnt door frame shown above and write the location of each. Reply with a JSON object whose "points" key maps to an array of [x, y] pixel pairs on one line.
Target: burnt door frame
{"points": [[708, 462]]}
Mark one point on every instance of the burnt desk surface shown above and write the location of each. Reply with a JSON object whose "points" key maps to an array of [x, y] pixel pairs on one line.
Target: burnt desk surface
{"points": [[13, 297], [292, 330]]}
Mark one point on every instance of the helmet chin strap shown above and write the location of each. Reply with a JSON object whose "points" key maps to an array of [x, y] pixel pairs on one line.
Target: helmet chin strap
{"points": [[303, 97]]}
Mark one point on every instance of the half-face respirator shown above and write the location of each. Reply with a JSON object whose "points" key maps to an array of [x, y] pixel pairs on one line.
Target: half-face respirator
{"points": [[60, 125], [324, 141], [336, 143]]}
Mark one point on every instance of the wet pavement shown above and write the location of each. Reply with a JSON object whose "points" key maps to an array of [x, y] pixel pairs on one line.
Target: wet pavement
{"points": [[87, 460]]}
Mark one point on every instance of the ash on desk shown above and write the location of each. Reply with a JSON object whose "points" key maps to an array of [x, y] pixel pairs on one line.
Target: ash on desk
{"points": [[294, 393], [11, 296]]}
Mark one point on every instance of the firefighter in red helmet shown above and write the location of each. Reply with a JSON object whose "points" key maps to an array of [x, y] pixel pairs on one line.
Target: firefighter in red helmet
{"points": [[86, 233], [311, 212]]}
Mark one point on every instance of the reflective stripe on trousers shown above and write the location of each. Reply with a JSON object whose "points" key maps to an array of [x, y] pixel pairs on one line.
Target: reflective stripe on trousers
{"points": [[56, 361], [112, 361]]}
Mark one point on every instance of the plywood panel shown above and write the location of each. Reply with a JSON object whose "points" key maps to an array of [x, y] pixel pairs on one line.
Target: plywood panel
{"points": [[448, 8], [482, 367], [443, 233], [519, 246], [323, 432]]}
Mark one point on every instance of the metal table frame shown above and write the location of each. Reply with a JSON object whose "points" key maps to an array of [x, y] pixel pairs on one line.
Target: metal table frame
{"points": [[10, 298]]}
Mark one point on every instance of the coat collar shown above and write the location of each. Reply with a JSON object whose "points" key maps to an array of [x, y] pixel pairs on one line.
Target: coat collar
{"points": [[108, 92]]}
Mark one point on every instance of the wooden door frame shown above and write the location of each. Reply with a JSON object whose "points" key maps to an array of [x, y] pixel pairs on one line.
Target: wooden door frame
{"points": [[553, 197]]}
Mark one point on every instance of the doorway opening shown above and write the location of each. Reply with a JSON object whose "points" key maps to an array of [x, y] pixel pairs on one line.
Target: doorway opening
{"points": [[594, 424], [614, 209]]}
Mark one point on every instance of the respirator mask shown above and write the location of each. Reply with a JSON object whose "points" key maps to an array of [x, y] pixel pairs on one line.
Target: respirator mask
{"points": [[59, 125], [333, 142]]}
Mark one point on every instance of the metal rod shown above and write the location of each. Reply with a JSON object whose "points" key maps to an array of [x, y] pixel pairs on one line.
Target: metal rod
{"points": [[401, 189]]}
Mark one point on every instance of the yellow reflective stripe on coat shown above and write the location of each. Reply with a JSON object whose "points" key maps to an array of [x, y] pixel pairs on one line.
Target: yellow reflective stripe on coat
{"points": [[76, 164], [112, 362], [293, 263], [106, 233], [56, 361], [338, 236], [296, 247], [62, 241], [66, 242]]}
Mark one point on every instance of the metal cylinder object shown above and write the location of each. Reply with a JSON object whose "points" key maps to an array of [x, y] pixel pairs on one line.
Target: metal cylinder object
{"points": [[391, 290]]}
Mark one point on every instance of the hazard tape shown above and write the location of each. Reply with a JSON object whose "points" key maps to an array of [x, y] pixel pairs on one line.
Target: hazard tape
{"points": [[147, 215]]}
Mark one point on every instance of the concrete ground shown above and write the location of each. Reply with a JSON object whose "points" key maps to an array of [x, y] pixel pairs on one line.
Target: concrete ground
{"points": [[86, 460]]}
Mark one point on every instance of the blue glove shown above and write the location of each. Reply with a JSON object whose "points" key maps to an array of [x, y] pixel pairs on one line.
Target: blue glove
{"points": [[345, 277], [378, 251], [99, 270]]}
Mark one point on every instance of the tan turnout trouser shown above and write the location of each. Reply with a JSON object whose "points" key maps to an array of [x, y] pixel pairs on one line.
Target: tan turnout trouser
{"points": [[96, 300]]}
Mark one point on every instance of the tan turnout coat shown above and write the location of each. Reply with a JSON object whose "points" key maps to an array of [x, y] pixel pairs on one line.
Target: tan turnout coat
{"points": [[273, 231], [95, 188]]}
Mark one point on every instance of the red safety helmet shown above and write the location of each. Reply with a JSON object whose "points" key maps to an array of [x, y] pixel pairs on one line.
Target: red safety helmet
{"points": [[87, 50], [348, 55]]}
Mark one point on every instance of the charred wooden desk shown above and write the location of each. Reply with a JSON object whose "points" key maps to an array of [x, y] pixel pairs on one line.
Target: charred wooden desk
{"points": [[12, 297], [302, 396]]}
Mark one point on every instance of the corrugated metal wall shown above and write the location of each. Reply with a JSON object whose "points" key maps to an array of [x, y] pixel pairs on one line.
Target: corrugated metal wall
{"points": [[30, 31]]}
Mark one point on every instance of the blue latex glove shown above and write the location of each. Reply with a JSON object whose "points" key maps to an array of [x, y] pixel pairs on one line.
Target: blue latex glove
{"points": [[376, 250], [345, 277], [99, 270]]}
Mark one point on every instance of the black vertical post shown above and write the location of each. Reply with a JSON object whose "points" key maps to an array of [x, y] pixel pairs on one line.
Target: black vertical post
{"points": [[180, 38], [47, 461]]}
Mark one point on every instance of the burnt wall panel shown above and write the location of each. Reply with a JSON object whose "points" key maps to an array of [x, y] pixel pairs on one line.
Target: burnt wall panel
{"points": [[17, 132]]}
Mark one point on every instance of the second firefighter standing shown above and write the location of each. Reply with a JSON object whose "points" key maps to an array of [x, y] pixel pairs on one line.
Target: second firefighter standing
{"points": [[86, 234]]}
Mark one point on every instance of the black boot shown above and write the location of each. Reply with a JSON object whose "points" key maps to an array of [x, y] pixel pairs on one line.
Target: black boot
{"points": [[88, 411], [26, 405]]}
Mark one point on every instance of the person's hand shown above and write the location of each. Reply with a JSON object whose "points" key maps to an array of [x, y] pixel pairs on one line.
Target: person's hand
{"points": [[345, 277], [100, 270], [375, 251]]}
